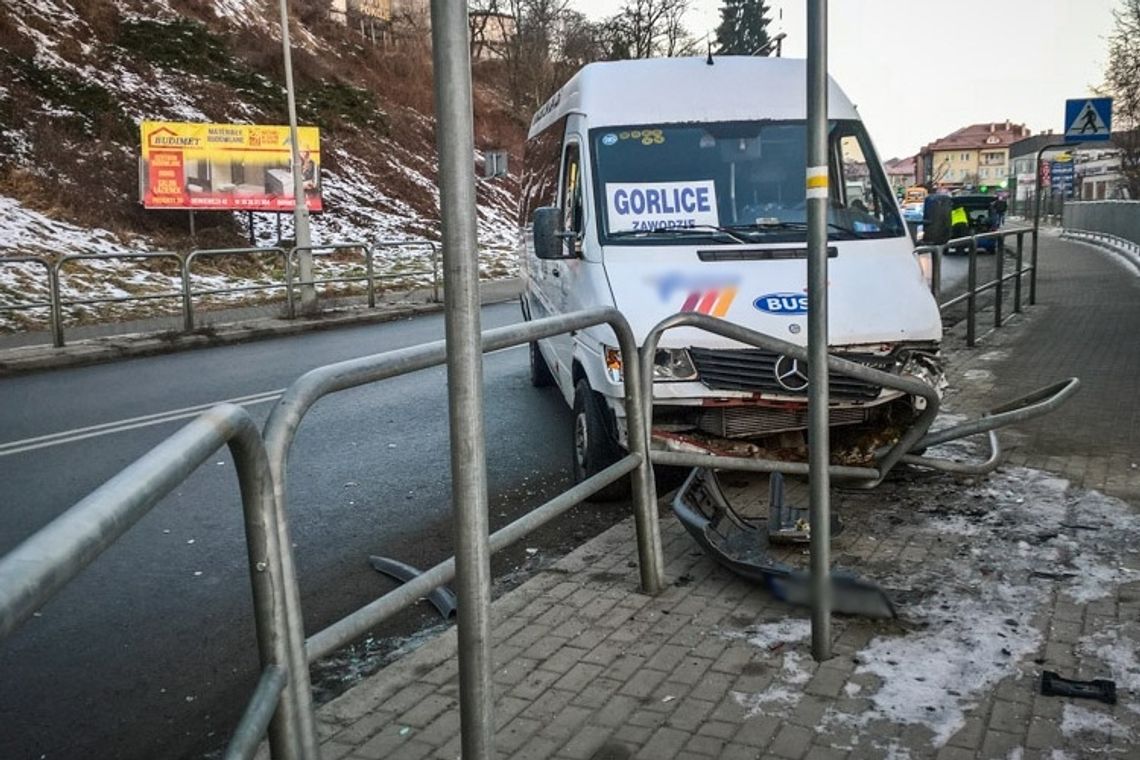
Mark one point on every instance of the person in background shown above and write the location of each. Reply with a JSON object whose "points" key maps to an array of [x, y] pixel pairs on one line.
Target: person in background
{"points": [[959, 222], [1000, 207]]}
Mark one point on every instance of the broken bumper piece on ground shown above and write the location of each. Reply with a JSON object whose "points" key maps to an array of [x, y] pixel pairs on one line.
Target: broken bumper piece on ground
{"points": [[702, 508]]}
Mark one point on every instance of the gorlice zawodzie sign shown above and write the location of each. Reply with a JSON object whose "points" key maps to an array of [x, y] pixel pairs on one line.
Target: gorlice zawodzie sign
{"points": [[244, 167]]}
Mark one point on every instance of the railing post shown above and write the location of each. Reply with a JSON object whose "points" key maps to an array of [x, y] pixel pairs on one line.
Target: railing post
{"points": [[1017, 280], [290, 307], [187, 294], [1033, 270], [371, 278], [999, 266], [972, 292], [936, 272], [56, 306], [434, 273]]}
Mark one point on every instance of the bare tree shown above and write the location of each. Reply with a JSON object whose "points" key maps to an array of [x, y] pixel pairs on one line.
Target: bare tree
{"points": [[1122, 82], [648, 28]]}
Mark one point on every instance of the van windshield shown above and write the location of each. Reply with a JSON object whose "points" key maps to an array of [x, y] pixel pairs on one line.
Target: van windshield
{"points": [[729, 182]]}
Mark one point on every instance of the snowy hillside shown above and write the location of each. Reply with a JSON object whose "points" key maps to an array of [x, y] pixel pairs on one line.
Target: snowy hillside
{"points": [[78, 76]]}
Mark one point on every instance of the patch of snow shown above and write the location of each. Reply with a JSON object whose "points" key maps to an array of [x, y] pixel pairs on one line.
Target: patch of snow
{"points": [[1077, 719], [771, 635], [1116, 648]]}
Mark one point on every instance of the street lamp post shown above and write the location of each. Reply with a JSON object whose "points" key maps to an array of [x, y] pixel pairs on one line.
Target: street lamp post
{"points": [[302, 238]]}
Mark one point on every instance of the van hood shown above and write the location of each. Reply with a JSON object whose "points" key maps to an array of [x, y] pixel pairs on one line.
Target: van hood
{"points": [[876, 292]]}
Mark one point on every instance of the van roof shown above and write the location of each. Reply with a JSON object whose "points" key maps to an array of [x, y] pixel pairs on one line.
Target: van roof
{"points": [[677, 90]]}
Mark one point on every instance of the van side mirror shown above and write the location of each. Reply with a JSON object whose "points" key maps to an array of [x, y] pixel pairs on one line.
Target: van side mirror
{"points": [[936, 219], [549, 239]]}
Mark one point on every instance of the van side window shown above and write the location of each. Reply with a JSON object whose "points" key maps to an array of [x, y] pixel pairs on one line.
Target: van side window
{"points": [[859, 198], [572, 190], [540, 171]]}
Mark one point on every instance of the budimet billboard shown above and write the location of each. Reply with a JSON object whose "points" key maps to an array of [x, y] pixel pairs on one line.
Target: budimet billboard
{"points": [[243, 167]]}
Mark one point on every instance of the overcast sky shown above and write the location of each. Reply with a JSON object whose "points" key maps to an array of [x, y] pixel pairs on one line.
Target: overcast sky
{"points": [[918, 69]]}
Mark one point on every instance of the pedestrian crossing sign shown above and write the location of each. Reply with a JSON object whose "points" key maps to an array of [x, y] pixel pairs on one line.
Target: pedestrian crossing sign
{"points": [[1088, 119]]}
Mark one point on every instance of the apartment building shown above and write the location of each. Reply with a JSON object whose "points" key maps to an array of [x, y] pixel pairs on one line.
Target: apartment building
{"points": [[970, 157]]}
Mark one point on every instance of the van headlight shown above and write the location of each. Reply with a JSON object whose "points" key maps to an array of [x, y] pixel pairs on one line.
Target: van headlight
{"points": [[670, 365], [673, 365]]}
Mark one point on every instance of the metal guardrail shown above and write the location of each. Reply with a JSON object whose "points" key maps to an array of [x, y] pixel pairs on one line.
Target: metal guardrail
{"points": [[997, 284], [1118, 218], [58, 303], [52, 288], [39, 567], [370, 277], [282, 702], [187, 293]]}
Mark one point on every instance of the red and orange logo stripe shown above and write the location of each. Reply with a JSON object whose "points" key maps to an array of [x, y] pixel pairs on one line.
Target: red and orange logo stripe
{"points": [[714, 302]]}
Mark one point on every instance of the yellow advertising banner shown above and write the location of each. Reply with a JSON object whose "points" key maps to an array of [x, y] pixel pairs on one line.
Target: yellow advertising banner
{"points": [[242, 167]]}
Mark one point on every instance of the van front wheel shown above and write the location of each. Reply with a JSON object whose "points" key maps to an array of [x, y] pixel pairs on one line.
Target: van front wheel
{"points": [[595, 446]]}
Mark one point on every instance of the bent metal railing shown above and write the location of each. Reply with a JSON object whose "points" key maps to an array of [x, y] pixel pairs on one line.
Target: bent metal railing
{"points": [[282, 701], [284, 420], [914, 439], [38, 568], [187, 293]]}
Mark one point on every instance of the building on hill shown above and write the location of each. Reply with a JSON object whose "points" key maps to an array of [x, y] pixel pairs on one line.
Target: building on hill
{"points": [[970, 157]]}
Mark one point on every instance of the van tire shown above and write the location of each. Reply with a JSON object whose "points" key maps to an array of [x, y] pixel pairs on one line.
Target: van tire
{"points": [[540, 374], [594, 445]]}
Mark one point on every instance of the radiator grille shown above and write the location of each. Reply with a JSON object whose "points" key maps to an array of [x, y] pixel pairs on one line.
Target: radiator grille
{"points": [[753, 370], [751, 421]]}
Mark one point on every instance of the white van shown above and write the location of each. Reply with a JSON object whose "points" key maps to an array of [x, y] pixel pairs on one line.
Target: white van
{"points": [[671, 185]]}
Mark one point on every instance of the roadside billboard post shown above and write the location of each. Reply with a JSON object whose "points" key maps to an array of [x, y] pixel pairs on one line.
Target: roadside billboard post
{"points": [[818, 424]]}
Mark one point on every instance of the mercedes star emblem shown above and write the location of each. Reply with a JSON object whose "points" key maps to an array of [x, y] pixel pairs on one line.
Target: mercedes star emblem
{"points": [[790, 374]]}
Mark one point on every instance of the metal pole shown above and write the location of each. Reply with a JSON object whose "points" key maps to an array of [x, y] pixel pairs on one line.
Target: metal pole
{"points": [[972, 292], [818, 448], [453, 107], [300, 210]]}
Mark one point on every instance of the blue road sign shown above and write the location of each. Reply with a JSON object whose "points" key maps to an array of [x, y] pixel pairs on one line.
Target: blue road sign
{"points": [[1088, 119]]}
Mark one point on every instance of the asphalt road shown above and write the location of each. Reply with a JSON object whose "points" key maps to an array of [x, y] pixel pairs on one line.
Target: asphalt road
{"points": [[151, 651]]}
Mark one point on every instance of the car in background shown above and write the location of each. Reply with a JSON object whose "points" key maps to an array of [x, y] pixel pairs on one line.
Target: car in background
{"points": [[979, 211]]}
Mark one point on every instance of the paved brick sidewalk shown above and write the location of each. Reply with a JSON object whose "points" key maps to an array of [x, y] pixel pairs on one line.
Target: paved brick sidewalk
{"points": [[996, 580]]}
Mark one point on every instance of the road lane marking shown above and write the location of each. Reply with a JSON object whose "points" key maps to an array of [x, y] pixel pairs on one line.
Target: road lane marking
{"points": [[158, 418], [106, 428]]}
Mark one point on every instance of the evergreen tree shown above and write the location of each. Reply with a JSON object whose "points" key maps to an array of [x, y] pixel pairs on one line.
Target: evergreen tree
{"points": [[743, 27]]}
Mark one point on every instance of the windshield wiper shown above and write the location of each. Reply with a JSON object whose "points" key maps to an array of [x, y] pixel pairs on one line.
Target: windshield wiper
{"points": [[694, 229], [774, 226]]}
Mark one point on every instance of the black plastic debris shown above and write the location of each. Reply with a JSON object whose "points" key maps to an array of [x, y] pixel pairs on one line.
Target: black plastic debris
{"points": [[1101, 689], [441, 597], [703, 509]]}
